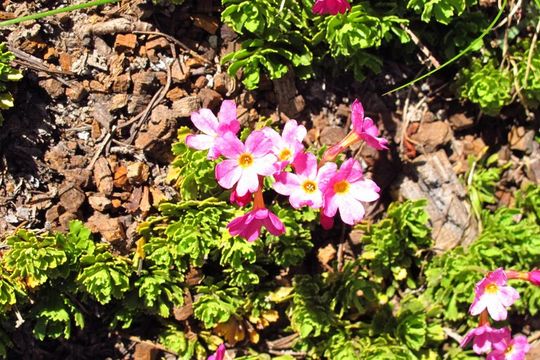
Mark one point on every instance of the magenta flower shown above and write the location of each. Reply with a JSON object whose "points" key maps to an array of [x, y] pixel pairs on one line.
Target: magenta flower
{"points": [[514, 349], [366, 128], [345, 191], [534, 277], [205, 121], [240, 200], [485, 337], [219, 354], [249, 225], [287, 145], [331, 7], [244, 163], [303, 188], [493, 294]]}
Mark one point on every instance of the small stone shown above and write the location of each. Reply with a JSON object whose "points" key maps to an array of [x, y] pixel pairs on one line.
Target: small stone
{"points": [[99, 202], [120, 177], [223, 84], [460, 121], [331, 135], [72, 199], [103, 176], [180, 71], [137, 103], [176, 94], [65, 61], [142, 81], [157, 43], [521, 139], [432, 135], [210, 98], [200, 82], [125, 42], [185, 106], [76, 92], [53, 214], [111, 229], [121, 83], [145, 351], [118, 101], [98, 86], [53, 87], [138, 172]]}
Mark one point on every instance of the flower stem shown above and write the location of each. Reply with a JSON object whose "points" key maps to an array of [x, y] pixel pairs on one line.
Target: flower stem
{"points": [[55, 12]]}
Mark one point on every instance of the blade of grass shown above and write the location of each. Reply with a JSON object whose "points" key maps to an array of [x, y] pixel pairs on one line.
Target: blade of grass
{"points": [[56, 12], [463, 52]]}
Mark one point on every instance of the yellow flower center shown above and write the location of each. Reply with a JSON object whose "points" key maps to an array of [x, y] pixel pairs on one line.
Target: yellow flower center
{"points": [[245, 160], [285, 154], [509, 349], [341, 187], [492, 288], [309, 186]]}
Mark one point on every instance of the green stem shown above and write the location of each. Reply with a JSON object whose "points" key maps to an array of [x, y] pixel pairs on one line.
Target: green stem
{"points": [[463, 52], [56, 12]]}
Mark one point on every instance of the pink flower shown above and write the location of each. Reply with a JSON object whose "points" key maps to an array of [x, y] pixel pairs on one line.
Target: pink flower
{"points": [[332, 7], [493, 294], [219, 354], [534, 277], [240, 200], [363, 128], [366, 128], [345, 191], [205, 121], [303, 188], [244, 163], [287, 145], [485, 337], [249, 225], [514, 349]]}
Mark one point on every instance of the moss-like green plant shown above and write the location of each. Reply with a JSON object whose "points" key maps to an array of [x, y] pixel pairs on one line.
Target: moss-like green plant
{"points": [[486, 85]]}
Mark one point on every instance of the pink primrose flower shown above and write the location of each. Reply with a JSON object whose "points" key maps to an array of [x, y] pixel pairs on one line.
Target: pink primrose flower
{"points": [[363, 128], [493, 294], [345, 191], [219, 354], [331, 7], [534, 277], [212, 128], [366, 128], [514, 349], [287, 145], [249, 225], [244, 163], [240, 200], [485, 337], [304, 186]]}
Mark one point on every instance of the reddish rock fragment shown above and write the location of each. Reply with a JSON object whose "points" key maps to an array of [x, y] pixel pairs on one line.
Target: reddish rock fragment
{"points": [[111, 229]]}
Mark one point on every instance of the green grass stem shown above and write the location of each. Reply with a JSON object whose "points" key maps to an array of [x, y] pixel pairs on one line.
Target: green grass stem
{"points": [[55, 12], [463, 52]]}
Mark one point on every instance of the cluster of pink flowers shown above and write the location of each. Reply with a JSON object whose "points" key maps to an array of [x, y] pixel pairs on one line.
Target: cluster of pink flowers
{"points": [[331, 7], [317, 184], [492, 298]]}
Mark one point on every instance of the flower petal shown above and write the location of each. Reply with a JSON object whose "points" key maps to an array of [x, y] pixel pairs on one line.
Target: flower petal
{"points": [[229, 145], [227, 118], [205, 121], [249, 181], [200, 142], [258, 144], [228, 173]]}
